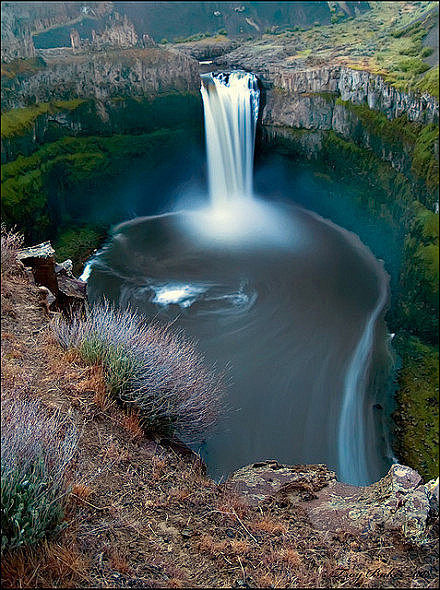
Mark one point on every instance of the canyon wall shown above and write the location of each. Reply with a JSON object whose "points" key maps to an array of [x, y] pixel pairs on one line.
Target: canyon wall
{"points": [[358, 87], [121, 91], [302, 106], [101, 76]]}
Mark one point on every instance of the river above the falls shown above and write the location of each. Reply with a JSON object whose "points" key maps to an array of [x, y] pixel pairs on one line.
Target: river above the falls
{"points": [[285, 318]]}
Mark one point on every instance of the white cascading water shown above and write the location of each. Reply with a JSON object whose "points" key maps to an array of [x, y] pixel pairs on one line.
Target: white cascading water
{"points": [[230, 103], [352, 455]]}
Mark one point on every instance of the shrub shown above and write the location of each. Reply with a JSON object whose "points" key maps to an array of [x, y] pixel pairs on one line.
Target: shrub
{"points": [[412, 65], [430, 82], [11, 242], [148, 368], [36, 450]]}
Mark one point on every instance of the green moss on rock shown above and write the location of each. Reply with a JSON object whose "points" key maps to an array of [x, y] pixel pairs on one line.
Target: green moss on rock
{"points": [[17, 121], [418, 399], [430, 82], [68, 164], [78, 244], [422, 139]]}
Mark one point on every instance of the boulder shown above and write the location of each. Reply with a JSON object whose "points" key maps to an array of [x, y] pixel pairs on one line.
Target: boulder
{"points": [[260, 481], [65, 292], [399, 501], [41, 259]]}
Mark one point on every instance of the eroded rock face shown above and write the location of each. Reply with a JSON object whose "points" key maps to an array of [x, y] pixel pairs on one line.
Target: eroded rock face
{"points": [[102, 76], [309, 103], [359, 87], [60, 290], [399, 501]]}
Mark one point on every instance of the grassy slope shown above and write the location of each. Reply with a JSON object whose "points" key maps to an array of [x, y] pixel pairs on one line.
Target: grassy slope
{"points": [[386, 40]]}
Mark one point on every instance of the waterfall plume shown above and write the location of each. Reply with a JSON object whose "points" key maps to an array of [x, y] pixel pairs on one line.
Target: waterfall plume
{"points": [[230, 103], [235, 215]]}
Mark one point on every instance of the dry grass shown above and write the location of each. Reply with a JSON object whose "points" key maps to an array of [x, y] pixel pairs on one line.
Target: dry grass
{"points": [[81, 491], [268, 525], [132, 423], [118, 561], [11, 242], [45, 566], [291, 557], [150, 368]]}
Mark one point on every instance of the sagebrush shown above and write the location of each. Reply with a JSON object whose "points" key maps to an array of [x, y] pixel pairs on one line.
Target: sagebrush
{"points": [[37, 449], [149, 368], [11, 242]]}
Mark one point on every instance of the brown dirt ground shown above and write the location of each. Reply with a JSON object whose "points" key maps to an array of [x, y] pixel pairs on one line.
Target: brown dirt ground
{"points": [[142, 514]]}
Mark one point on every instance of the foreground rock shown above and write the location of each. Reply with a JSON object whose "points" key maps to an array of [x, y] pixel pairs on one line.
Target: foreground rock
{"points": [[59, 289], [399, 501]]}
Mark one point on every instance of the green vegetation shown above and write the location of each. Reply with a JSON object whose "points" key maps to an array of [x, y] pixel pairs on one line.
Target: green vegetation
{"points": [[35, 190], [77, 244], [192, 38], [421, 139], [18, 121], [133, 115], [387, 40], [35, 458], [418, 308], [19, 67], [418, 399], [425, 163], [389, 196], [430, 83]]}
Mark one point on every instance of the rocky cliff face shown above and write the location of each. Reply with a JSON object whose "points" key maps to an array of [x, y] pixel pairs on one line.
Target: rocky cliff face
{"points": [[359, 87], [16, 37], [307, 100], [318, 114], [101, 76], [119, 32]]}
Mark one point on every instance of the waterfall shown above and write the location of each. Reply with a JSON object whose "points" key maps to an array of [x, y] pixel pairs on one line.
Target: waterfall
{"points": [[230, 103], [352, 456]]}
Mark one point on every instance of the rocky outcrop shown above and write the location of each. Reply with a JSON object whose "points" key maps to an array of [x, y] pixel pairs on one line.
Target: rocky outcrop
{"points": [[359, 87], [59, 289], [398, 502], [118, 33], [16, 37], [317, 114], [321, 100], [208, 48], [101, 76]]}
